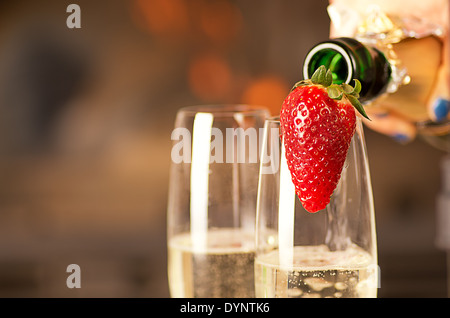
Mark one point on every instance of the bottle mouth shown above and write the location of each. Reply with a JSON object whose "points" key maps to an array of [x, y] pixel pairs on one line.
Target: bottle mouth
{"points": [[333, 57]]}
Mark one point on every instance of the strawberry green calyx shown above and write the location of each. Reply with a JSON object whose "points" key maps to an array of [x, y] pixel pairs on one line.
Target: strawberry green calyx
{"points": [[324, 77]]}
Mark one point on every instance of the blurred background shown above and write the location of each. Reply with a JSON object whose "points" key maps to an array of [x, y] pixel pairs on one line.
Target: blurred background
{"points": [[85, 122]]}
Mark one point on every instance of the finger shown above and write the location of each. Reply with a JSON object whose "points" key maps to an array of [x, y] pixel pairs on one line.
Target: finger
{"points": [[439, 102], [440, 109]]}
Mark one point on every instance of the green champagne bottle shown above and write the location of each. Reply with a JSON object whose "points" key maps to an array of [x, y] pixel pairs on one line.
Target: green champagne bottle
{"points": [[349, 59]]}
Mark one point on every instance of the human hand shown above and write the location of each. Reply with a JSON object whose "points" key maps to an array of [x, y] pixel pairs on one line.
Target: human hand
{"points": [[427, 97]]}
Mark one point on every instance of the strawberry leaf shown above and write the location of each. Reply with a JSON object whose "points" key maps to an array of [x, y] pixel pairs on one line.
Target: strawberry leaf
{"points": [[357, 88], [328, 78], [355, 102], [335, 92], [319, 75], [347, 88], [322, 76], [301, 83]]}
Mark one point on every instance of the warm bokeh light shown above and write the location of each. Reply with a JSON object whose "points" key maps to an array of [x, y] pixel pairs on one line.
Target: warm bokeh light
{"points": [[209, 77], [269, 91], [161, 17], [220, 21]]}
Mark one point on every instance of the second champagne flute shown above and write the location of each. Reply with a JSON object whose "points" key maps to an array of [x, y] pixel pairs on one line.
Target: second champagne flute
{"points": [[212, 201], [330, 253]]}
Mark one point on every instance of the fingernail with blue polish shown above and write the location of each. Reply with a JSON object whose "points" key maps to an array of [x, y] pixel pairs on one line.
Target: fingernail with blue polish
{"points": [[401, 138], [441, 109]]}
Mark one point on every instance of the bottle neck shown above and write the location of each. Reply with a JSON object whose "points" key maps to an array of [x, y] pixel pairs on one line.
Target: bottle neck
{"points": [[349, 59]]}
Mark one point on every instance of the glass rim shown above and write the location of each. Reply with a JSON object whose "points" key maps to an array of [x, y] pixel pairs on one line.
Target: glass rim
{"points": [[225, 110], [273, 119]]}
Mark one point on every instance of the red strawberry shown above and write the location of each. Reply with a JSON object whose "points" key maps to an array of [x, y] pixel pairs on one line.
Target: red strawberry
{"points": [[318, 121]]}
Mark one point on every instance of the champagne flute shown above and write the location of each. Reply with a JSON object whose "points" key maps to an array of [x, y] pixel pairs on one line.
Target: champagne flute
{"points": [[212, 200], [330, 253]]}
